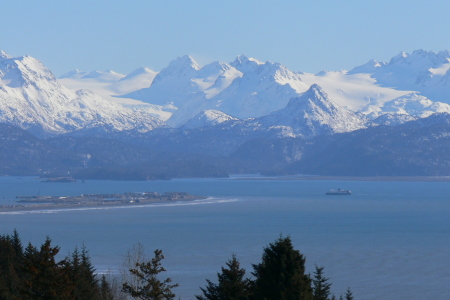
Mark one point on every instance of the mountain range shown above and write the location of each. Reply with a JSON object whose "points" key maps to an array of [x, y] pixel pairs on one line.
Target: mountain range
{"points": [[32, 98], [410, 84], [222, 114]]}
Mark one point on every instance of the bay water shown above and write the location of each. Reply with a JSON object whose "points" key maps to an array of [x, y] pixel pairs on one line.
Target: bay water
{"points": [[388, 240]]}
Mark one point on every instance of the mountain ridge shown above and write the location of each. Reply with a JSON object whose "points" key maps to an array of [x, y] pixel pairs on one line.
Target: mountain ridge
{"points": [[32, 98], [249, 88]]}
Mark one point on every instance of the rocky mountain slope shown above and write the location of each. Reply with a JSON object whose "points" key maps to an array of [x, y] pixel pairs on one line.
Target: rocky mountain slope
{"points": [[416, 148], [313, 113], [21, 153], [31, 97]]}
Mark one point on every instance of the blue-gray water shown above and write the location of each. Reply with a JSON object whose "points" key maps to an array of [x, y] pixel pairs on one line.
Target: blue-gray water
{"points": [[389, 240]]}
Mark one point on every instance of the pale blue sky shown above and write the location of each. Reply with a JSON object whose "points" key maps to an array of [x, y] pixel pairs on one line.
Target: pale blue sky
{"points": [[307, 36]]}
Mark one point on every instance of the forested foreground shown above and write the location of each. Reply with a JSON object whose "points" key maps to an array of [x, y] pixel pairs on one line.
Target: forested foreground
{"points": [[34, 273]]}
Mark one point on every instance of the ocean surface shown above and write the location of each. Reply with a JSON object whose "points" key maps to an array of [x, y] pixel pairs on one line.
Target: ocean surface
{"points": [[389, 240]]}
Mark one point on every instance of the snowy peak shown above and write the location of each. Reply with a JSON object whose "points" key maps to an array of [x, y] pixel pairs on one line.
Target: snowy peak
{"points": [[105, 76], [313, 102], [413, 105], [399, 57], [109, 84], [421, 59], [139, 71], [246, 88], [182, 66], [268, 73], [185, 61], [314, 113], [25, 71], [249, 88], [421, 71], [243, 59], [184, 79], [30, 97], [212, 68], [74, 74], [370, 67], [4, 55], [315, 94], [208, 118], [246, 64], [140, 78], [416, 62]]}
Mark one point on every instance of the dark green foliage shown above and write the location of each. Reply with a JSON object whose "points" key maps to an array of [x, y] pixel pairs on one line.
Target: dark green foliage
{"points": [[281, 274], [149, 286], [349, 295], [105, 290], [43, 277], [34, 273], [321, 286], [11, 254], [231, 285], [83, 275]]}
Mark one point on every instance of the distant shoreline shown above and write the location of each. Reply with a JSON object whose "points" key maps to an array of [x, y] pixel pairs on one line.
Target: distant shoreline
{"points": [[355, 178], [301, 177], [67, 206]]}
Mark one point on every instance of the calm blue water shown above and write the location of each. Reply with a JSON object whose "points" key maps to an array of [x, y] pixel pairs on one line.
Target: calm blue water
{"points": [[389, 240]]}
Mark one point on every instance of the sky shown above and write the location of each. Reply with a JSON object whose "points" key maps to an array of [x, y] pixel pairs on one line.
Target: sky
{"points": [[304, 35]]}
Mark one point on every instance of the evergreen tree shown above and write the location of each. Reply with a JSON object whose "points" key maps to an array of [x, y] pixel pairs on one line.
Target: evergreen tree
{"points": [[44, 278], [73, 262], [91, 283], [149, 286], [105, 290], [321, 286], [349, 295], [11, 255], [17, 245], [82, 274], [281, 274], [231, 284]]}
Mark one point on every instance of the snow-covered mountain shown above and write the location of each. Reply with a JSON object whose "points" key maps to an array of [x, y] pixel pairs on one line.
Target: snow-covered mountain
{"points": [[172, 85], [393, 119], [245, 88], [109, 85], [424, 71], [208, 118], [74, 74], [409, 86], [249, 88], [187, 88], [262, 89], [113, 82], [32, 98], [105, 76], [352, 91], [313, 113], [412, 104]]}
